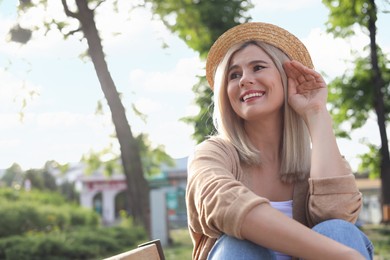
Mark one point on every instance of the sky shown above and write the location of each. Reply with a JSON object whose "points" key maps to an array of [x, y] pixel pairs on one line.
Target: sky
{"points": [[60, 121]]}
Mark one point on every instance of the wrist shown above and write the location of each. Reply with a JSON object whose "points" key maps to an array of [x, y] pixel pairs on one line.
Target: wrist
{"points": [[317, 117]]}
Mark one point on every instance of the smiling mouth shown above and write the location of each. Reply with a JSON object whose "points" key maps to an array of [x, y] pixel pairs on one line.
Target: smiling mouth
{"points": [[252, 95]]}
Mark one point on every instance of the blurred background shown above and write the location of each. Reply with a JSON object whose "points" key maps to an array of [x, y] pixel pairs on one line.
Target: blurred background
{"points": [[102, 102]]}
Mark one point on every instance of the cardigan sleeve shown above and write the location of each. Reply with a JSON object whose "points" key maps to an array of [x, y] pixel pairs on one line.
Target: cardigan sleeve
{"points": [[216, 201], [334, 197]]}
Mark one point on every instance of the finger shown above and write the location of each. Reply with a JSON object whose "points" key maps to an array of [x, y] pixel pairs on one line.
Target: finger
{"points": [[292, 87], [298, 72], [290, 70], [308, 73], [308, 78], [305, 78]]}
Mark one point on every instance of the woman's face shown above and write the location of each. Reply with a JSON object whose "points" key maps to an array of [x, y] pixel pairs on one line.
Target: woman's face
{"points": [[254, 85]]}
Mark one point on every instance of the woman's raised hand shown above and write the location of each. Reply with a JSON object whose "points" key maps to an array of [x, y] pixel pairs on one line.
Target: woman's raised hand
{"points": [[307, 91]]}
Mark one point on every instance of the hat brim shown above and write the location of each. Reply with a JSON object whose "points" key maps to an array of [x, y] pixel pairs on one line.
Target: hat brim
{"points": [[256, 31]]}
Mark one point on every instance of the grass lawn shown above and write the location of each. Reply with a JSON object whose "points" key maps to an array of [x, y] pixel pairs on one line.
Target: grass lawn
{"points": [[181, 248], [182, 245], [380, 237]]}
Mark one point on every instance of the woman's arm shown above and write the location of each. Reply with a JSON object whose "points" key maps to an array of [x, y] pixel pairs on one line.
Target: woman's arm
{"points": [[307, 93], [270, 228], [216, 201]]}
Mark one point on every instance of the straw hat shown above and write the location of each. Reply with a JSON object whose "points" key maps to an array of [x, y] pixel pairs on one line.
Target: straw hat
{"points": [[264, 32]]}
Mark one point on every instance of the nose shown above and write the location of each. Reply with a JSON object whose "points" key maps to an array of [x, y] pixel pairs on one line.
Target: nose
{"points": [[246, 80]]}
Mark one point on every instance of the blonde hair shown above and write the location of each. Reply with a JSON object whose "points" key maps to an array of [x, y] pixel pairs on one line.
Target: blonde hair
{"points": [[295, 147]]}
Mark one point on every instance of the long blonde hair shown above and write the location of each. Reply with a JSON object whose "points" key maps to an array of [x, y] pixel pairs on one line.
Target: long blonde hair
{"points": [[295, 147]]}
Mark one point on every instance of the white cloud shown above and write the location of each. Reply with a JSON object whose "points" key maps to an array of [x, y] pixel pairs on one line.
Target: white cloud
{"points": [[192, 110], [9, 121], [333, 55], [147, 105], [124, 24], [180, 79], [9, 143], [137, 75], [62, 136], [68, 119], [14, 91], [40, 44], [174, 136], [57, 121], [351, 149]]}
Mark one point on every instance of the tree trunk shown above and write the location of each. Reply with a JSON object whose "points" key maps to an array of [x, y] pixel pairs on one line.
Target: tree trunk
{"points": [[137, 186], [380, 112]]}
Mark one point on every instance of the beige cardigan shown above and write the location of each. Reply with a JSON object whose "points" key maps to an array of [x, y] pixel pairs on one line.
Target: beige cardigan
{"points": [[217, 200]]}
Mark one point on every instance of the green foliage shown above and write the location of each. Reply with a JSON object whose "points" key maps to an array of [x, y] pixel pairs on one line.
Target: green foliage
{"points": [[203, 122], [22, 212], [34, 196], [20, 35], [199, 23], [351, 95], [370, 162], [68, 191], [379, 235], [181, 248], [152, 157], [83, 243], [105, 159], [12, 176], [41, 179], [352, 98], [139, 114], [42, 225], [345, 13]]}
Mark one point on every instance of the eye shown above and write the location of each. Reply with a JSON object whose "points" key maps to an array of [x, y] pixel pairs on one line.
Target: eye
{"points": [[234, 75], [258, 67]]}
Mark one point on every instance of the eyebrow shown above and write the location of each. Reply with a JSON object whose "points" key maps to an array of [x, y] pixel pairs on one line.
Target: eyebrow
{"points": [[234, 66]]}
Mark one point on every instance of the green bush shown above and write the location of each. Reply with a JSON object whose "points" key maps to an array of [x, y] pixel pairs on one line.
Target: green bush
{"points": [[22, 212], [82, 217], [50, 247], [17, 218], [77, 244], [52, 198], [39, 225]]}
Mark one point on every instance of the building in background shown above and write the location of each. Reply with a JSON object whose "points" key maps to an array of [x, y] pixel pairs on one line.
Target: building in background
{"points": [[371, 210], [107, 196]]}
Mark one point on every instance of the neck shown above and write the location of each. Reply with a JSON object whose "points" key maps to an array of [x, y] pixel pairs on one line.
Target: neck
{"points": [[266, 135]]}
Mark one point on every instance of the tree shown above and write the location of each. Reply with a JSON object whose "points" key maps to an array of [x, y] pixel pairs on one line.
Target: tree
{"points": [[199, 23], [367, 88], [152, 158], [40, 179], [83, 12], [13, 176]]}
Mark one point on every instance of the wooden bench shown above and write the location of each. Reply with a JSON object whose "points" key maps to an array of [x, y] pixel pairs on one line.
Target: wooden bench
{"points": [[151, 250]]}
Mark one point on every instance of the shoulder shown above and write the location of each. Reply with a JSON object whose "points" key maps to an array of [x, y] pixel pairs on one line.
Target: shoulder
{"points": [[215, 152], [218, 146]]}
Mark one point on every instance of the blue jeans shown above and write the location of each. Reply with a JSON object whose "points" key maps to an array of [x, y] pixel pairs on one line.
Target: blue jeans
{"points": [[230, 248]]}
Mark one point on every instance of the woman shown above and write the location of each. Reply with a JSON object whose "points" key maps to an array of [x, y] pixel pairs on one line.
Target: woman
{"points": [[271, 184]]}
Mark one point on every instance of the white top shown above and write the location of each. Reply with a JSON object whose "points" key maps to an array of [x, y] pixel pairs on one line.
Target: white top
{"points": [[286, 208]]}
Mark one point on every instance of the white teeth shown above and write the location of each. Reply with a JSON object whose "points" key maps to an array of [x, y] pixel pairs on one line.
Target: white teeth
{"points": [[257, 94]]}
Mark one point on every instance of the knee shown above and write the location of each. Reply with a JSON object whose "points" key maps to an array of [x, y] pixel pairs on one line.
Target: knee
{"points": [[334, 224], [347, 234], [337, 228]]}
